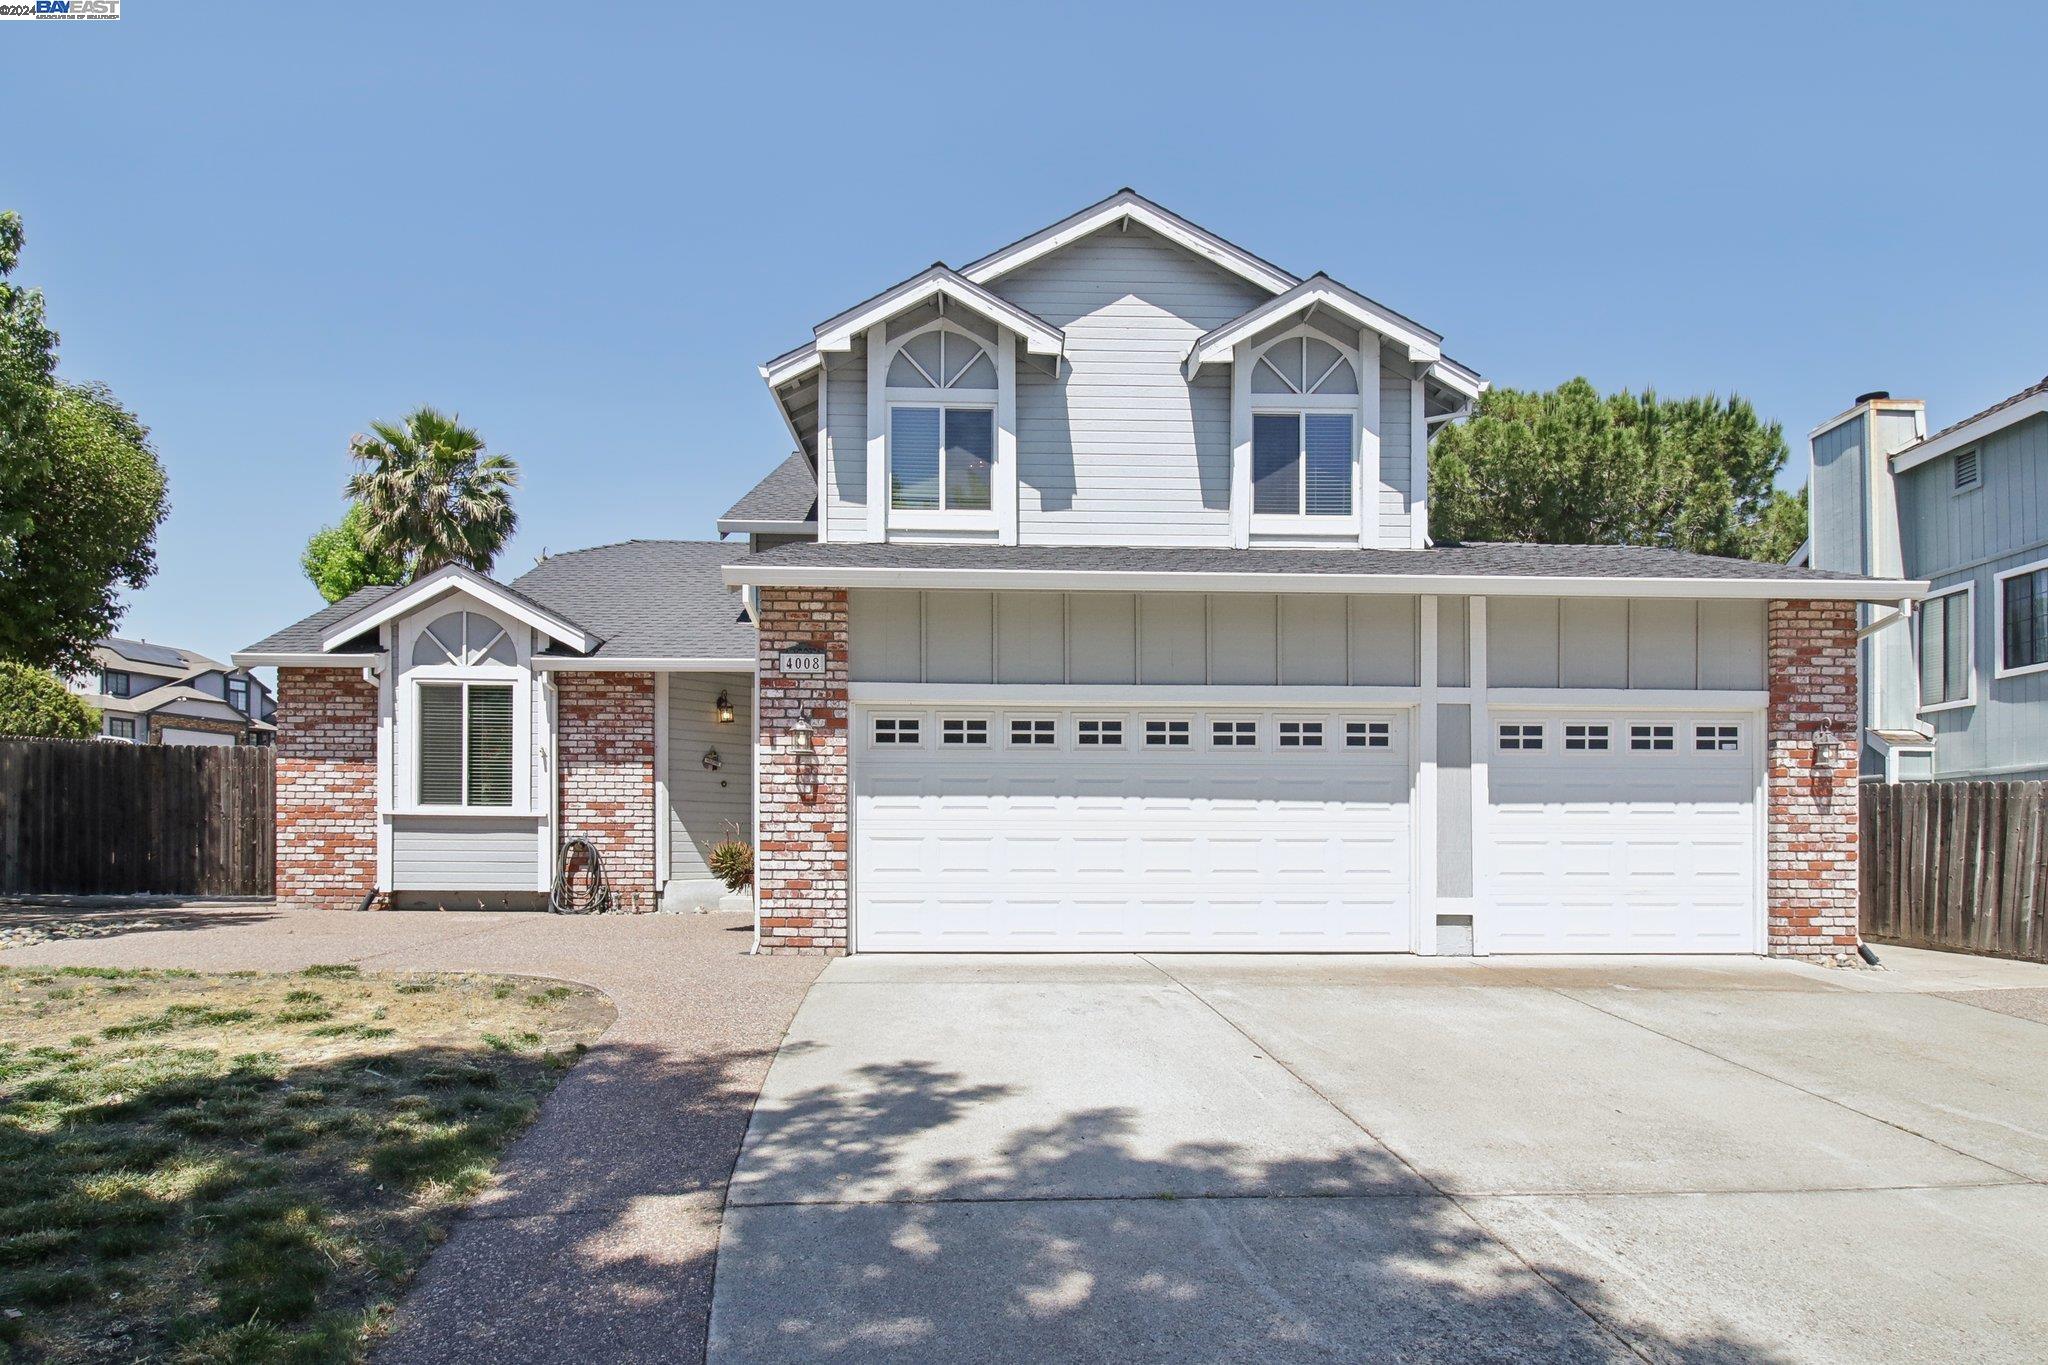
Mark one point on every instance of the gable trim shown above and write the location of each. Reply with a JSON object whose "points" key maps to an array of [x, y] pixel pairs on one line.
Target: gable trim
{"points": [[1318, 291], [450, 579], [1128, 203]]}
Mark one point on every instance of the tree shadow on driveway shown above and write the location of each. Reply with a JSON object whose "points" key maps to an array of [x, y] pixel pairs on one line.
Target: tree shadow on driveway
{"points": [[1084, 1237]]}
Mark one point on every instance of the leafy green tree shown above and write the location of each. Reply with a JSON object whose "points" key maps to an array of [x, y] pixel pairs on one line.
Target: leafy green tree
{"points": [[95, 497], [338, 561], [34, 702], [28, 369], [1572, 467], [430, 494]]}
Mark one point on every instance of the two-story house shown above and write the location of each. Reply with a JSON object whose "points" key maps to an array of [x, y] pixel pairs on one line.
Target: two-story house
{"points": [[1957, 685], [1097, 609], [158, 694]]}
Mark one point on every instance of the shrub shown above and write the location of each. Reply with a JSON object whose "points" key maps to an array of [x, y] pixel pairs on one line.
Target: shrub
{"points": [[732, 862], [35, 703]]}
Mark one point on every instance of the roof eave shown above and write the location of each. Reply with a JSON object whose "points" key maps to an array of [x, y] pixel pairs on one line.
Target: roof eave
{"points": [[1129, 204], [1481, 585], [453, 578], [1968, 433], [1318, 291]]}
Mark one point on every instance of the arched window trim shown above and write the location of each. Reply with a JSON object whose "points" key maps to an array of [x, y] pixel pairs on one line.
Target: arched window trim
{"points": [[947, 400], [408, 793], [1301, 404]]}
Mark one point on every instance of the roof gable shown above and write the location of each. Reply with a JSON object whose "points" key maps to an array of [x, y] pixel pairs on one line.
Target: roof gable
{"points": [[1127, 203], [446, 581]]}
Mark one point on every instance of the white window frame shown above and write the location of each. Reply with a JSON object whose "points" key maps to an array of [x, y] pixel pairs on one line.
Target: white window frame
{"points": [[989, 400], [896, 720], [1969, 697], [1385, 736], [1298, 405], [405, 784], [1166, 742], [1122, 732], [1033, 745], [1650, 749], [1998, 667]]}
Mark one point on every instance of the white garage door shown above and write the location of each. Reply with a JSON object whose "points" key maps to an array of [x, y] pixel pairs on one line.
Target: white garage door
{"points": [[1114, 830], [1633, 834]]}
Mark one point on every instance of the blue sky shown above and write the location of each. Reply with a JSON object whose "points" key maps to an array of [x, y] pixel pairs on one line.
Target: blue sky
{"points": [[582, 226]]}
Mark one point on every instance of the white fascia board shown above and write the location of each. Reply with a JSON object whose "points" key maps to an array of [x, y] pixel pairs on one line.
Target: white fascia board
{"points": [[1969, 433], [794, 365], [547, 663], [274, 659], [1167, 696], [454, 578], [742, 526], [1134, 206], [1458, 379], [1040, 337], [1318, 292], [1464, 585]]}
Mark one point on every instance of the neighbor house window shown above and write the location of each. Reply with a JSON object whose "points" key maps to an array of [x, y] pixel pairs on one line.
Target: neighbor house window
{"points": [[1943, 644], [121, 727], [2023, 619], [1304, 424], [942, 423], [465, 748], [238, 694], [114, 684]]}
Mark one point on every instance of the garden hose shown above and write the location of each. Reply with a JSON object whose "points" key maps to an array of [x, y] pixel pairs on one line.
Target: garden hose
{"points": [[597, 899]]}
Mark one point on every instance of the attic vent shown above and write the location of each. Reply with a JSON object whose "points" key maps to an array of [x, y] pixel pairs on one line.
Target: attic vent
{"points": [[1966, 470]]}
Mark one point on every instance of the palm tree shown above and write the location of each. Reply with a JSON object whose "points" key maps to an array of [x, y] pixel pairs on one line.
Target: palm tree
{"points": [[430, 494]]}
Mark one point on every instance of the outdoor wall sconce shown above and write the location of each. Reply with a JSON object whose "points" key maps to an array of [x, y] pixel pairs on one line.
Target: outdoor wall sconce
{"points": [[802, 735], [1825, 742], [712, 762], [725, 711]]}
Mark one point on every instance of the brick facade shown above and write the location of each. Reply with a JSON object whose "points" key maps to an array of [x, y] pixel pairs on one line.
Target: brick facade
{"points": [[326, 787], [1813, 792], [801, 884], [604, 734]]}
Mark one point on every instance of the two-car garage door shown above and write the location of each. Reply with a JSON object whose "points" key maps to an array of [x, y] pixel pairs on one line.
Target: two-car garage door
{"points": [[1240, 830], [1118, 829]]}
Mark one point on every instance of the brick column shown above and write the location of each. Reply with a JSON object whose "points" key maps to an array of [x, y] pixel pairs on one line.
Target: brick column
{"points": [[326, 787], [1813, 789], [604, 736], [800, 870]]}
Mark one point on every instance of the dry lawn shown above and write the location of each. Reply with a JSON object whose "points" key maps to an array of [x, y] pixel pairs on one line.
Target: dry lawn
{"points": [[245, 1166]]}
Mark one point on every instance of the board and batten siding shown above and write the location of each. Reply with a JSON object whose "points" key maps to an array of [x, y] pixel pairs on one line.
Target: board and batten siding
{"points": [[464, 853], [1297, 639], [1397, 485], [707, 806], [1625, 642], [1952, 538], [846, 446]]}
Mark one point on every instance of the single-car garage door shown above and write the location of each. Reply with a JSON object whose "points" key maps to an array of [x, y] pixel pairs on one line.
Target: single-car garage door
{"points": [[1114, 830], [1622, 834]]}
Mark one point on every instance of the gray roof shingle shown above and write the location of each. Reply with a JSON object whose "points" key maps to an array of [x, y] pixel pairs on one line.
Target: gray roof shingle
{"points": [[649, 599], [789, 493], [303, 637], [1495, 559]]}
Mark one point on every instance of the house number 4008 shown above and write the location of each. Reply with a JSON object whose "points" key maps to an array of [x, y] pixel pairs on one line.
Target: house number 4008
{"points": [[801, 661]]}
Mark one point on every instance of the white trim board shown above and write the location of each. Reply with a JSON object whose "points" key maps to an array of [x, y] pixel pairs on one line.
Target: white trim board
{"points": [[1477, 585], [1969, 433], [454, 578], [560, 664], [1318, 291], [298, 659], [1128, 203]]}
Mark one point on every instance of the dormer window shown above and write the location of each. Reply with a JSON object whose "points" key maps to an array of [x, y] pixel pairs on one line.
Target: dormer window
{"points": [[1305, 417], [942, 395]]}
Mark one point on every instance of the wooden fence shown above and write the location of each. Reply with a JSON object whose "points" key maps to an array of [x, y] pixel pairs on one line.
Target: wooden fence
{"points": [[1957, 865], [88, 817]]}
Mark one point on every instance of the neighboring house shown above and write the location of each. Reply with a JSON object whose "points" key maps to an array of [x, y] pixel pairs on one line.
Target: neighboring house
{"points": [[1097, 609], [1958, 686], [157, 694]]}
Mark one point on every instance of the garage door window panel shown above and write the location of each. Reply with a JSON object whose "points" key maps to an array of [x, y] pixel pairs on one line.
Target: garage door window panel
{"points": [[1652, 737], [1233, 734], [1586, 737], [1301, 734], [1092, 732], [1521, 737], [1168, 733], [963, 732], [1368, 734], [897, 731], [1034, 732], [1725, 739]]}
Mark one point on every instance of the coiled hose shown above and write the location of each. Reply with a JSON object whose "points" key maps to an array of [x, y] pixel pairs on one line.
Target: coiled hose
{"points": [[597, 899]]}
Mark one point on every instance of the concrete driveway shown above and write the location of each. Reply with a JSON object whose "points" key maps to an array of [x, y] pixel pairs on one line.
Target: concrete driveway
{"points": [[1316, 1159]]}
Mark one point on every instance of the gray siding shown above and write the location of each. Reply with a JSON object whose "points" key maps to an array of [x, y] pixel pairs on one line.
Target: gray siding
{"points": [[1640, 643], [704, 806], [464, 853], [1120, 449], [1152, 638], [846, 478], [1837, 498], [1972, 537], [1397, 485]]}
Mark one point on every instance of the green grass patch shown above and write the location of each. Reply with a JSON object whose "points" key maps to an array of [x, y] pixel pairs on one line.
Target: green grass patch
{"points": [[189, 1171]]}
